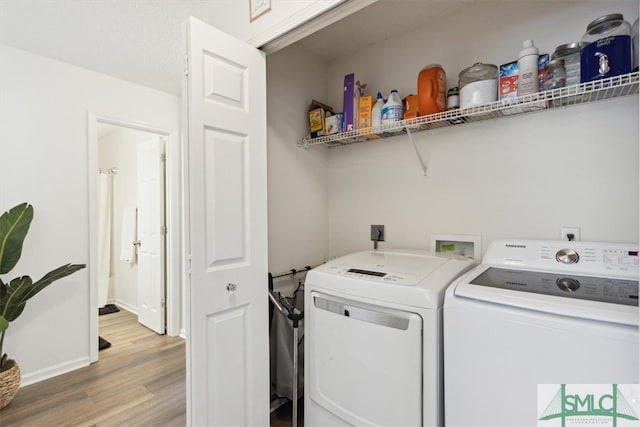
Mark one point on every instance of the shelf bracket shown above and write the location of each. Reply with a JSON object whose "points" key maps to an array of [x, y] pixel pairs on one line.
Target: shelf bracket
{"points": [[415, 147]]}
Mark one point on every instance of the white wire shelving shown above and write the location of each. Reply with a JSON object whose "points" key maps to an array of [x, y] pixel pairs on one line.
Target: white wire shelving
{"points": [[612, 87]]}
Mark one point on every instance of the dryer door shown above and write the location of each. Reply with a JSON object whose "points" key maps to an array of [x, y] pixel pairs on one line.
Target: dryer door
{"points": [[365, 361]]}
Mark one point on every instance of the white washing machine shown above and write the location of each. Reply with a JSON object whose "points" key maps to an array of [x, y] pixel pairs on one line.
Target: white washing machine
{"points": [[373, 338], [538, 312]]}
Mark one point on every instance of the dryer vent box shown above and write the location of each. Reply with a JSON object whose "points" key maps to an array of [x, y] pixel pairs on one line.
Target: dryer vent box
{"points": [[463, 245]]}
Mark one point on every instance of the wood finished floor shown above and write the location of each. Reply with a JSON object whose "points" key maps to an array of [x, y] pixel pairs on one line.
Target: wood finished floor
{"points": [[139, 380]]}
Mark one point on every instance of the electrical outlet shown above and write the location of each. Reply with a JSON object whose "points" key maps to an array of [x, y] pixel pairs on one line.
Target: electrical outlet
{"points": [[377, 233], [565, 231]]}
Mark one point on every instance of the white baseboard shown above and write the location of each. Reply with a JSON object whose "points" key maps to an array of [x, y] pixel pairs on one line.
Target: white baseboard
{"points": [[183, 333], [53, 371], [126, 306]]}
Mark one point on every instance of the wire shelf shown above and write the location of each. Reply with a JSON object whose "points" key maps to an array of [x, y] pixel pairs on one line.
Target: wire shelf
{"points": [[612, 87]]}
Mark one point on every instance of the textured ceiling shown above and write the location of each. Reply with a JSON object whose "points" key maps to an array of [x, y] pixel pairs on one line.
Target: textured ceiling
{"points": [[141, 40]]}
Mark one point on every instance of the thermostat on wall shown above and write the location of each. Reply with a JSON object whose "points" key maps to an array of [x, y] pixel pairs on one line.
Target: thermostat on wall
{"points": [[464, 245]]}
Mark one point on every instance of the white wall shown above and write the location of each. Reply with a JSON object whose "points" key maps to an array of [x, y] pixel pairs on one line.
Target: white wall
{"points": [[514, 177], [297, 178], [44, 106]]}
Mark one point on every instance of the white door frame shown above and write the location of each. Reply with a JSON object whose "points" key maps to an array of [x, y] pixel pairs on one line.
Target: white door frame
{"points": [[173, 215]]}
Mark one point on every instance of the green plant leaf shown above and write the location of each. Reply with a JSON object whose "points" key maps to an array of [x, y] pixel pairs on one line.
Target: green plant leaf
{"points": [[51, 277], [21, 289], [4, 324], [12, 305], [14, 225]]}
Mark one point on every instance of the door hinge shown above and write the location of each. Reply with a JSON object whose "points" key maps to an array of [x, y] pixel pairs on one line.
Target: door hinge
{"points": [[164, 302], [163, 157], [186, 65], [163, 230]]}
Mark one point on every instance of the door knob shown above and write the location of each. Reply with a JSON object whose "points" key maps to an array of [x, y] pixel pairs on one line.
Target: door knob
{"points": [[231, 287]]}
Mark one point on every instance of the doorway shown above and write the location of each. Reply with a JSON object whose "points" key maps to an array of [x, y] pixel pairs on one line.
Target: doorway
{"points": [[131, 223], [103, 134]]}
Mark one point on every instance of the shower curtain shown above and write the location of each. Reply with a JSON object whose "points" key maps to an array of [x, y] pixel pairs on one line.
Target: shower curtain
{"points": [[105, 200]]}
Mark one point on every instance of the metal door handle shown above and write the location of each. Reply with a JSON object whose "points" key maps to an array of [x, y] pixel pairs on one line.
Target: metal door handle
{"points": [[231, 287]]}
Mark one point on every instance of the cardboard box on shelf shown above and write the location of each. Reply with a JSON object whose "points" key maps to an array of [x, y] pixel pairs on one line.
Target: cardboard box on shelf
{"points": [[333, 124], [365, 105], [542, 61], [317, 115], [349, 106], [352, 91], [508, 80], [410, 103]]}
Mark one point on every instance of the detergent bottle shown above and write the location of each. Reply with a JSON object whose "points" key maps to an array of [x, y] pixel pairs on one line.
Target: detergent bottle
{"points": [[376, 111], [392, 110]]}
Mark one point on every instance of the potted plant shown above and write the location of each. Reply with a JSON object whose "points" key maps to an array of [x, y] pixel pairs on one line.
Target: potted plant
{"points": [[14, 294]]}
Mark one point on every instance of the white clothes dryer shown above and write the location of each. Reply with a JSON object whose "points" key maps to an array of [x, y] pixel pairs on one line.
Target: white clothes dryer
{"points": [[373, 338], [538, 312]]}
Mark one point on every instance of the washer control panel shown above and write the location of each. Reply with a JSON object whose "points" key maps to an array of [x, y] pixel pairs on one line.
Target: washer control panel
{"points": [[615, 259], [371, 274]]}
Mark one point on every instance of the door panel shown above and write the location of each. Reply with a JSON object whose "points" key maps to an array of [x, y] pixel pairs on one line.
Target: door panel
{"points": [[227, 352], [151, 278], [224, 80], [231, 361], [226, 182]]}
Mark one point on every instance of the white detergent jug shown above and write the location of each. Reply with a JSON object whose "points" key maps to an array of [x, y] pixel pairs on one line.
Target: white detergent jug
{"points": [[376, 111], [392, 109]]}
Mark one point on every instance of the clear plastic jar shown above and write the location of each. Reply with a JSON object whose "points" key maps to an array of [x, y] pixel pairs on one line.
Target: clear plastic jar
{"points": [[570, 54], [554, 75], [607, 48], [478, 85], [453, 98]]}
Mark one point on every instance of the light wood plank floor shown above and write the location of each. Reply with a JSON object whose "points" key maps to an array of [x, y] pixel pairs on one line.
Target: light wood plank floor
{"points": [[139, 380]]}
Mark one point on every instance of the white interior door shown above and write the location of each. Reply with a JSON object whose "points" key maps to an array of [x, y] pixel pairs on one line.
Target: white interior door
{"points": [[151, 283], [227, 356]]}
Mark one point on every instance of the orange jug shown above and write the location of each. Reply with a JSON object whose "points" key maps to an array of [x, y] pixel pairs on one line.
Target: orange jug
{"points": [[432, 88]]}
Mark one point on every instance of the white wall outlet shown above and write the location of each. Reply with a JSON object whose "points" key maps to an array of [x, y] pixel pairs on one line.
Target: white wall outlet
{"points": [[566, 231]]}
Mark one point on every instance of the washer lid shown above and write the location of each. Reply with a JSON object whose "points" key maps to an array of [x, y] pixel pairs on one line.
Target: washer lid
{"points": [[598, 298], [396, 267], [407, 277], [614, 291]]}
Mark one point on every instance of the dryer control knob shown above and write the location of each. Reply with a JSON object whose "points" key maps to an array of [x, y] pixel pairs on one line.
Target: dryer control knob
{"points": [[567, 256]]}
